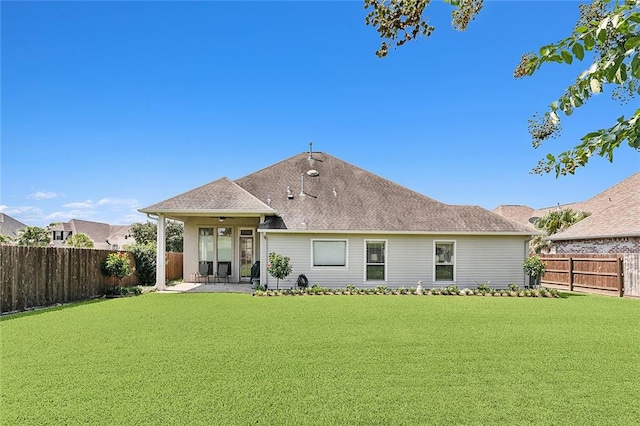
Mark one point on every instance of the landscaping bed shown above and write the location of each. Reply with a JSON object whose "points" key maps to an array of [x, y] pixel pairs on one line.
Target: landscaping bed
{"points": [[512, 291]]}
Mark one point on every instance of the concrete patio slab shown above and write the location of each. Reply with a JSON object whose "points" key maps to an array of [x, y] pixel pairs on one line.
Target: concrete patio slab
{"points": [[209, 288]]}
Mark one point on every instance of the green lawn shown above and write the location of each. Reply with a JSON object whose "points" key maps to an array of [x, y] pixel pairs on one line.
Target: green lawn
{"points": [[237, 359]]}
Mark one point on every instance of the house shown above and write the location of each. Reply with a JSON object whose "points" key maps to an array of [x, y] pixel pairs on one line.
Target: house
{"points": [[10, 226], [103, 235], [340, 225], [612, 227]]}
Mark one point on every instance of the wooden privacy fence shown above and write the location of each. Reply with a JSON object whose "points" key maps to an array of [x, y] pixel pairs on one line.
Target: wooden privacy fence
{"points": [[45, 276], [173, 268], [603, 272]]}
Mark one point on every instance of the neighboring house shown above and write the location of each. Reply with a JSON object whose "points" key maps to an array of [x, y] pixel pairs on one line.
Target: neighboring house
{"points": [[103, 235], [10, 226], [340, 225], [612, 227]]}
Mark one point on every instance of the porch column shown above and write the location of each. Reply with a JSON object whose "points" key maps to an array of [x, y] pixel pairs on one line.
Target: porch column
{"points": [[160, 266]]}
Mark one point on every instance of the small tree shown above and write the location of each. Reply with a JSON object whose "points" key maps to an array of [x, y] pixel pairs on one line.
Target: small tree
{"points": [[118, 265], [535, 268], [145, 232], [6, 239], [33, 236], [80, 240], [278, 267]]}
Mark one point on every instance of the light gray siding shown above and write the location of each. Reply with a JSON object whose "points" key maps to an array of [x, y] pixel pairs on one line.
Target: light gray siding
{"points": [[410, 258]]}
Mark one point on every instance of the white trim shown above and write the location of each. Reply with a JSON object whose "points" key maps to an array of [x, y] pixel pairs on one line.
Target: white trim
{"points": [[560, 237], [455, 259], [386, 260], [253, 246], [204, 212], [326, 268], [387, 232]]}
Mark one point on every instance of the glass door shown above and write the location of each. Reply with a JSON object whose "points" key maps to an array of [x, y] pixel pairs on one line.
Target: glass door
{"points": [[246, 254]]}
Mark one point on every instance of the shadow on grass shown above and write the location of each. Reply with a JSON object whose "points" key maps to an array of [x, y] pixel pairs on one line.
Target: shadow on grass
{"points": [[564, 295], [46, 309]]}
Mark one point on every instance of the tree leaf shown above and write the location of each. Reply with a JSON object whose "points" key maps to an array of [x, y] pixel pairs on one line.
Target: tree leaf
{"points": [[589, 42], [601, 33], [596, 86], [567, 57], [578, 51], [632, 43]]}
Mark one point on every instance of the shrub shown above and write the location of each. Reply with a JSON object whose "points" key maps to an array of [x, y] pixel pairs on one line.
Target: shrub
{"points": [[484, 287], [513, 287], [123, 291], [118, 265], [145, 257]]}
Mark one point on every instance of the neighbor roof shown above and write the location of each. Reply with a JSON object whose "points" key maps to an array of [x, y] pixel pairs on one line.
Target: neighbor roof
{"points": [[343, 197], [618, 192], [519, 213], [10, 226], [618, 219]]}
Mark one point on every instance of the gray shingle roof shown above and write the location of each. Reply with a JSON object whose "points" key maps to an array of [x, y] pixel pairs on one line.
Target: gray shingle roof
{"points": [[618, 219], [344, 197], [519, 213], [10, 226], [218, 196]]}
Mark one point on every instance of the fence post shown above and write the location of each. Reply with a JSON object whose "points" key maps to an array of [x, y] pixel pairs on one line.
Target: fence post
{"points": [[570, 273], [620, 278]]}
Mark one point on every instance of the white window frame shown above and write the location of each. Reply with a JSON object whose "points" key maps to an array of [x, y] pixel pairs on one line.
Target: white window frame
{"points": [[385, 264], [455, 259], [346, 253]]}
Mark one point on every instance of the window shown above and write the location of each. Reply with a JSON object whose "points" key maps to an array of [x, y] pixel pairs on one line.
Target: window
{"points": [[444, 262], [224, 247], [329, 252], [205, 250], [375, 260]]}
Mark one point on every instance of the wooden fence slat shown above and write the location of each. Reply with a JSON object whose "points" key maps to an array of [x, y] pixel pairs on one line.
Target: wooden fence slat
{"points": [[44, 276], [597, 271]]}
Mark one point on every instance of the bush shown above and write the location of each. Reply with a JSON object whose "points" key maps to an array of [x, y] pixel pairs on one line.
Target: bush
{"points": [[123, 291], [145, 258], [118, 265], [513, 287], [484, 287]]}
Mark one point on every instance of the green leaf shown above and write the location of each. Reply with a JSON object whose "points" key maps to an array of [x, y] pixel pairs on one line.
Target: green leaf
{"points": [[567, 57], [635, 66], [544, 51], [578, 51], [589, 42], [632, 43], [580, 30], [602, 35]]}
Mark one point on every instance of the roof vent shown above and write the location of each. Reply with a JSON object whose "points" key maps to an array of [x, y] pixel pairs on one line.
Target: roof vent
{"points": [[313, 173], [311, 151], [289, 193]]}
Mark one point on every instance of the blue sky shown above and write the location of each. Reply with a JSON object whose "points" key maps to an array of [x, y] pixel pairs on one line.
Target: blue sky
{"points": [[112, 106]]}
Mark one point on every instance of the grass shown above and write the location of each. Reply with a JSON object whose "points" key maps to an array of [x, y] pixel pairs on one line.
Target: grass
{"points": [[237, 359]]}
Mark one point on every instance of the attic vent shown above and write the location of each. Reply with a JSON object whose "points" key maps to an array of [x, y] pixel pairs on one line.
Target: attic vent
{"points": [[311, 151], [289, 193], [313, 173]]}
